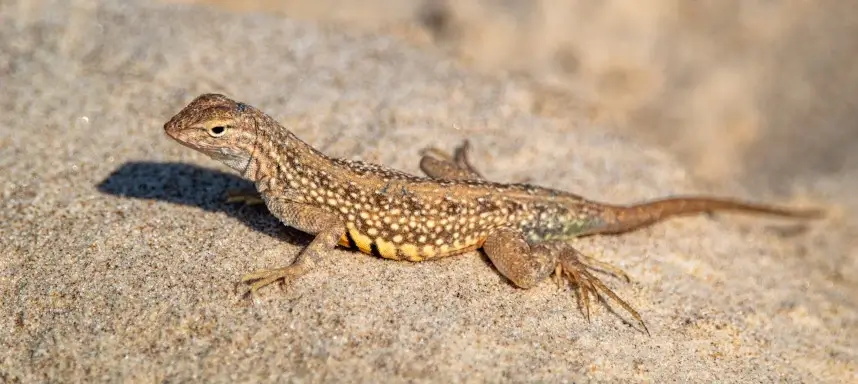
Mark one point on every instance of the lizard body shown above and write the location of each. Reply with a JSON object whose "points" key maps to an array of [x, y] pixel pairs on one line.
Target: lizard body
{"points": [[399, 216]]}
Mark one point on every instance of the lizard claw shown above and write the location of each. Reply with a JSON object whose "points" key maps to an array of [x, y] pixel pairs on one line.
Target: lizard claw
{"points": [[572, 267]]}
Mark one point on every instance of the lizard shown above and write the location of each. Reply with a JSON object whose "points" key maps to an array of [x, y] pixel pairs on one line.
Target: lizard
{"points": [[523, 229]]}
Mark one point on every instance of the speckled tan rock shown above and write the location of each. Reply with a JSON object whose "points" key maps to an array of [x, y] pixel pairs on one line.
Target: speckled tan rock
{"points": [[119, 257]]}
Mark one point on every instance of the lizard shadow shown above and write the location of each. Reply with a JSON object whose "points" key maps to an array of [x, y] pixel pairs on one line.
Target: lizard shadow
{"points": [[192, 185]]}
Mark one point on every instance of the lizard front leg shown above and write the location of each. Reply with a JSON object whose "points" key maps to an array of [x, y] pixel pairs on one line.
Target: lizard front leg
{"points": [[327, 227], [249, 196], [526, 265]]}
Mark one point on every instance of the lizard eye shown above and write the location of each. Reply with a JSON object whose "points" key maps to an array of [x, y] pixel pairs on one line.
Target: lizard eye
{"points": [[217, 131]]}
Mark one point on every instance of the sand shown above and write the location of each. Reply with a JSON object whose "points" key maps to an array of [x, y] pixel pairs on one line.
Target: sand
{"points": [[120, 257]]}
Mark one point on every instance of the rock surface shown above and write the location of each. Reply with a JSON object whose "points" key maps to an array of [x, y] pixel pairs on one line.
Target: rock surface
{"points": [[120, 257]]}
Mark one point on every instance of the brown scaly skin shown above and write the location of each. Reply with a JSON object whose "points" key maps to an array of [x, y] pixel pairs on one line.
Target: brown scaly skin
{"points": [[398, 216]]}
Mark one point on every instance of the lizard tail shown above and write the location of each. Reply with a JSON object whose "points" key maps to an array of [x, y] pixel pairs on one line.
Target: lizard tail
{"points": [[618, 219]]}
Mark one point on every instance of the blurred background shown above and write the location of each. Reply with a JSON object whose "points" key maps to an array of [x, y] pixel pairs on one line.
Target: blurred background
{"points": [[763, 93]]}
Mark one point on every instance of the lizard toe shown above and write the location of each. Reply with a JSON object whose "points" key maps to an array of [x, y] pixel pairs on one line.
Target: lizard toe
{"points": [[577, 268], [260, 279]]}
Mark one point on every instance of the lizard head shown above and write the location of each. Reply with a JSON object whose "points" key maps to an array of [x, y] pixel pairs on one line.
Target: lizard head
{"points": [[219, 127]]}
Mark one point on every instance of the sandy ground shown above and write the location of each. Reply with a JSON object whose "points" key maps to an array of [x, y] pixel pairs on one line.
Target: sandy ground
{"points": [[119, 256]]}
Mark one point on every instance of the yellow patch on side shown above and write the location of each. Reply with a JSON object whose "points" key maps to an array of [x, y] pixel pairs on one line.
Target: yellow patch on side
{"points": [[457, 248], [463, 246], [410, 252], [386, 249], [344, 240], [363, 242], [428, 252]]}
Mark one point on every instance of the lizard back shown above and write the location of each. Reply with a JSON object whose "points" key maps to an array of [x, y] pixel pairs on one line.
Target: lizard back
{"points": [[397, 215]]}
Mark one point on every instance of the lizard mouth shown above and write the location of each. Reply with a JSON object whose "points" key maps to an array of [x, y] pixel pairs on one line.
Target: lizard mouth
{"points": [[175, 136]]}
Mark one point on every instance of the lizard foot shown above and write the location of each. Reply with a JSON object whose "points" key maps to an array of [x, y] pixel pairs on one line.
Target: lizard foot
{"points": [[437, 153], [260, 279], [438, 164], [577, 268], [246, 196]]}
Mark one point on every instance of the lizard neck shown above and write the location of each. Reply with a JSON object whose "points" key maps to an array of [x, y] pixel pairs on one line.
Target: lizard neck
{"points": [[281, 161]]}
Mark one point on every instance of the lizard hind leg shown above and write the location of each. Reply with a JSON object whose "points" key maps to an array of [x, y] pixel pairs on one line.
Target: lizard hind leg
{"points": [[526, 265], [578, 269], [438, 164]]}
